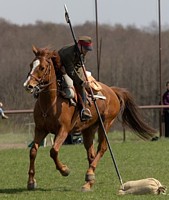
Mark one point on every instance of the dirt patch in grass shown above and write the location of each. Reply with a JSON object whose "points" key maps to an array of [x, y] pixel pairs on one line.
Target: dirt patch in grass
{"points": [[13, 146]]}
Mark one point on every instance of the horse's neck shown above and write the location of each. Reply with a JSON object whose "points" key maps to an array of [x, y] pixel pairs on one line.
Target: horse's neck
{"points": [[50, 92]]}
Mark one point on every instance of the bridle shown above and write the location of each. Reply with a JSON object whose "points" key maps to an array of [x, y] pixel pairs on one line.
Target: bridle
{"points": [[41, 85]]}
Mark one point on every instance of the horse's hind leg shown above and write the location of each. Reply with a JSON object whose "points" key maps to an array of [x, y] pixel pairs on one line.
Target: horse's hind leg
{"points": [[39, 136], [88, 137], [102, 147]]}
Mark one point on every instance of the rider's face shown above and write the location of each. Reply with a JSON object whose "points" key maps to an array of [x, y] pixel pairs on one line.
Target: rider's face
{"points": [[84, 51]]}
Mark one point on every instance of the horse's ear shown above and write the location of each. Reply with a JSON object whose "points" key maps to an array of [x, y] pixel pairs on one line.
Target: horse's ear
{"points": [[34, 49]]}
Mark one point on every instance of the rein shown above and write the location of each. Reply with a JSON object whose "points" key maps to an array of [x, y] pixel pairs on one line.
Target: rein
{"points": [[41, 88], [41, 80]]}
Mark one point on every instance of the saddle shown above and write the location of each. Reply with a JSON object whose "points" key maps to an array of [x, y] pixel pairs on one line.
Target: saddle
{"points": [[68, 90], [96, 87]]}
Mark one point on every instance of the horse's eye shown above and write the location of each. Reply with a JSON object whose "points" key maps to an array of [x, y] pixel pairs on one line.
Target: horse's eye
{"points": [[42, 68]]}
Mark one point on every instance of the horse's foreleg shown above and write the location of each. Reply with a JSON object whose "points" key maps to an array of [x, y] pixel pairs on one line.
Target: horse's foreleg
{"points": [[32, 156], [59, 140]]}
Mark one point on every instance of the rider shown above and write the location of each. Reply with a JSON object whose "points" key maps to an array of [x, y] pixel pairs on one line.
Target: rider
{"points": [[71, 65]]}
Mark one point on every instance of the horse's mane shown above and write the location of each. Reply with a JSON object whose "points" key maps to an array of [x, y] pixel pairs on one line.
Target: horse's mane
{"points": [[49, 54], [45, 52]]}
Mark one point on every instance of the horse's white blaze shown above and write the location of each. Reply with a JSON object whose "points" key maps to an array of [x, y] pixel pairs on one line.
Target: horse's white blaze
{"points": [[35, 64]]}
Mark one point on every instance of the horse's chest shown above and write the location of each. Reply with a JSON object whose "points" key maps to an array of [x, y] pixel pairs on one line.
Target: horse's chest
{"points": [[47, 123]]}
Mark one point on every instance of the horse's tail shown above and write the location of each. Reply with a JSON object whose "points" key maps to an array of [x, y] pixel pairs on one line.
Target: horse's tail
{"points": [[131, 115]]}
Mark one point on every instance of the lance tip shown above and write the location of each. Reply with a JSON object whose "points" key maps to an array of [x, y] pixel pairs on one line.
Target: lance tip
{"points": [[65, 7]]}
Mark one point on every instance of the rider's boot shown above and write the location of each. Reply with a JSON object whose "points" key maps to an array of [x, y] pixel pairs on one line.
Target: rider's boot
{"points": [[85, 112]]}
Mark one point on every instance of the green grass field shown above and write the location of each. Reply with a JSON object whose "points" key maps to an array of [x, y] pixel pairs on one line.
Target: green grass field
{"points": [[136, 159]]}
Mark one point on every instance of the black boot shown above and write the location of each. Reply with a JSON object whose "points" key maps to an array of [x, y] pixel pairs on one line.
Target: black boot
{"points": [[72, 102], [85, 114]]}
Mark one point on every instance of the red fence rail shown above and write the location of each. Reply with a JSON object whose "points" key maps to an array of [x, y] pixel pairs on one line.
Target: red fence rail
{"points": [[28, 111], [154, 106], [31, 110], [18, 111]]}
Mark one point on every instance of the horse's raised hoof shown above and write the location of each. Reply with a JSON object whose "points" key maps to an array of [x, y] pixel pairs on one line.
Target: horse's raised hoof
{"points": [[32, 185], [65, 171], [87, 186], [90, 177]]}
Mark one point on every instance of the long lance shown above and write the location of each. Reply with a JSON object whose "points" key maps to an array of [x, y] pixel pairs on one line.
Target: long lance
{"points": [[92, 95]]}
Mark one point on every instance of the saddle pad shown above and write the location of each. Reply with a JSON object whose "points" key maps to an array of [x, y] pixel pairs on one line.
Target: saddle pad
{"points": [[94, 84]]}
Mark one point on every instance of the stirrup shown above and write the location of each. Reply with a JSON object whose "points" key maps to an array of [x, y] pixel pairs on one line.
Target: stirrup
{"points": [[85, 114], [72, 102]]}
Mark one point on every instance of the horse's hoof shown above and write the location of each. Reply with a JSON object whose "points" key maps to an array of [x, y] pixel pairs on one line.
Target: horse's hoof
{"points": [[32, 185], [84, 189], [87, 187], [90, 177], [65, 171]]}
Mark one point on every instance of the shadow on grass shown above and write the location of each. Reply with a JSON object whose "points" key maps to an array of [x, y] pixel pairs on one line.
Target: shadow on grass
{"points": [[20, 190]]}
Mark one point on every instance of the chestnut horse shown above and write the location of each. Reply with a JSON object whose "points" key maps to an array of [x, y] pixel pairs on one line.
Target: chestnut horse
{"points": [[53, 114]]}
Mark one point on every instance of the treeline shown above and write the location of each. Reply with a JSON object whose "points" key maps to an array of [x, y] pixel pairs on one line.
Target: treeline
{"points": [[129, 57]]}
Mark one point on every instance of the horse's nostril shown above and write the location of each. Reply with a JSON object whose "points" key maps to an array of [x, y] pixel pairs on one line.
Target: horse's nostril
{"points": [[30, 87]]}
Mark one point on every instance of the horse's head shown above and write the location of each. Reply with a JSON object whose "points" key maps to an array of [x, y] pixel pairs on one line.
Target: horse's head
{"points": [[39, 75]]}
